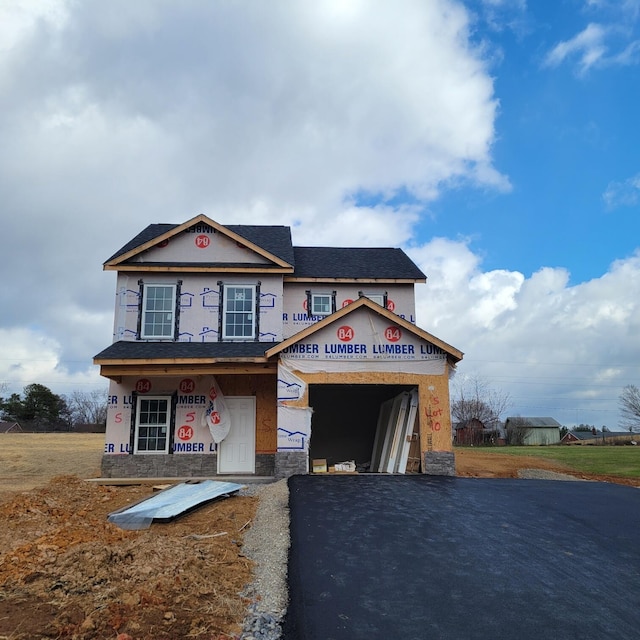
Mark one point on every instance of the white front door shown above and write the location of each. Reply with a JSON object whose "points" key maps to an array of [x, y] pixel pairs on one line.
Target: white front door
{"points": [[237, 452]]}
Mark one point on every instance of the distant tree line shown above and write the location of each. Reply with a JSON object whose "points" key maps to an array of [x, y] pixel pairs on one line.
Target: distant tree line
{"points": [[37, 408]]}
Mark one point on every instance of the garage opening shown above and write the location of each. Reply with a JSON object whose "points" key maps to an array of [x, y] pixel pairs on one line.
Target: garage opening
{"points": [[346, 419]]}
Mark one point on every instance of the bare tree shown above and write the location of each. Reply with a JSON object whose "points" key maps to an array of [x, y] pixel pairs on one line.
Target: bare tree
{"points": [[517, 429], [88, 407], [474, 399], [629, 403]]}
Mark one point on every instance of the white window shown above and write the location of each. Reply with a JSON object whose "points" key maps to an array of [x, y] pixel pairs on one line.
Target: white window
{"points": [[239, 312], [378, 298], [158, 311], [153, 415], [321, 304]]}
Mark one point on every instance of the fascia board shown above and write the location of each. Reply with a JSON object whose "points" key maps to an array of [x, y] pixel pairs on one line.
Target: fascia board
{"points": [[357, 280]]}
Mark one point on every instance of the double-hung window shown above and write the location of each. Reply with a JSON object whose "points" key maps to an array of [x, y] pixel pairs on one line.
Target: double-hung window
{"points": [[153, 417], [158, 312], [239, 312]]}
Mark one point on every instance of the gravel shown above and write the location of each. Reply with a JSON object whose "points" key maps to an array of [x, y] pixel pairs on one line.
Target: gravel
{"points": [[543, 474], [267, 544]]}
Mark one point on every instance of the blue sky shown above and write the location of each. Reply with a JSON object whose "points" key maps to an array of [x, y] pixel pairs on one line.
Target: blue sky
{"points": [[494, 140], [566, 134]]}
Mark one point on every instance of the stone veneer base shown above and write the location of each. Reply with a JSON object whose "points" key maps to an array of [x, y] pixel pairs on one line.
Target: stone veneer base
{"points": [[439, 463]]}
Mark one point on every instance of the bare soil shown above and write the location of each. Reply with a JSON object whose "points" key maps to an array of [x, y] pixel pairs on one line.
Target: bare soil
{"points": [[67, 573], [478, 463]]}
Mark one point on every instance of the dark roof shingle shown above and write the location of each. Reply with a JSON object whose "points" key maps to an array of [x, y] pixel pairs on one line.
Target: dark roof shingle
{"points": [[130, 350], [275, 239], [344, 262]]}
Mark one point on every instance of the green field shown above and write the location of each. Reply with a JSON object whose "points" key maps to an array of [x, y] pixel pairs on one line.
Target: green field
{"points": [[623, 461]]}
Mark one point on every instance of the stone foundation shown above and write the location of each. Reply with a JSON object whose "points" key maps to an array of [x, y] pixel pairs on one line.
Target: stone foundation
{"points": [[185, 465], [439, 463], [291, 463]]}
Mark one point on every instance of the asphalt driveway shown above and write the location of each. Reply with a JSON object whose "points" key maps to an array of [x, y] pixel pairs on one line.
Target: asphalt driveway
{"points": [[419, 557]]}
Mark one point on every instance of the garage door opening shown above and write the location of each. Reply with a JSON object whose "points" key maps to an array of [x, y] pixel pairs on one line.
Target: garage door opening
{"points": [[345, 422]]}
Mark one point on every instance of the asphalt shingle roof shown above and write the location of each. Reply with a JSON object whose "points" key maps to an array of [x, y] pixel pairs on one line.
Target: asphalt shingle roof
{"points": [[346, 262], [274, 239], [147, 234], [310, 262], [129, 350]]}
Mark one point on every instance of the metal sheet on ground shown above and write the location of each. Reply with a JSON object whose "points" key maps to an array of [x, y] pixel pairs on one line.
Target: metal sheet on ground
{"points": [[172, 502]]}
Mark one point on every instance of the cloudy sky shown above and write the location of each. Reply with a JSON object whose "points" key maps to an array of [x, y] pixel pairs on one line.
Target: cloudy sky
{"points": [[496, 141]]}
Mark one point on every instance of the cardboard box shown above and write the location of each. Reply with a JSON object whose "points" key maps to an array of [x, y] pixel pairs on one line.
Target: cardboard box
{"points": [[319, 465]]}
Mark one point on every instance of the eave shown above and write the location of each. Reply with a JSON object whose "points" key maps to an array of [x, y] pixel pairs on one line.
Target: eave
{"points": [[196, 268], [117, 369], [303, 280]]}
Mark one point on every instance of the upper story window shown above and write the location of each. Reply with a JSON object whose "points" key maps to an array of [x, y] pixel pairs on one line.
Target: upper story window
{"points": [[378, 298], [321, 304], [239, 320], [158, 318]]}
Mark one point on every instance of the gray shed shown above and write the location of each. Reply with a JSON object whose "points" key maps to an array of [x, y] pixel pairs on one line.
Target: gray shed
{"points": [[536, 430]]}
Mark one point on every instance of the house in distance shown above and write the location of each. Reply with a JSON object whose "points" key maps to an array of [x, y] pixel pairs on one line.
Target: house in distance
{"points": [[236, 352]]}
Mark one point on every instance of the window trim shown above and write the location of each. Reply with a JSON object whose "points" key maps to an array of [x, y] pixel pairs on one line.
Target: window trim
{"points": [[255, 310], [311, 295], [175, 309], [168, 425]]}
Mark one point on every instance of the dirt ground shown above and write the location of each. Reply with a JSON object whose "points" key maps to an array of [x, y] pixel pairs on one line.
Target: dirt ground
{"points": [[67, 573], [477, 463]]}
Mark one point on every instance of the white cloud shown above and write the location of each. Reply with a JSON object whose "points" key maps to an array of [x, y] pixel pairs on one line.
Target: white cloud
{"points": [[545, 342], [29, 355], [625, 193], [120, 114], [588, 46], [609, 40]]}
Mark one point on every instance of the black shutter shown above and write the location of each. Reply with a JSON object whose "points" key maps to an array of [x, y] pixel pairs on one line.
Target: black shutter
{"points": [[309, 311], [172, 421], [385, 299], [132, 434], [256, 337], [333, 302], [176, 317], [140, 297], [220, 308]]}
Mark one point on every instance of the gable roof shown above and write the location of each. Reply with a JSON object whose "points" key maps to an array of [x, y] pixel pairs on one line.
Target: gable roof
{"points": [[7, 427], [271, 242], [365, 263], [453, 354]]}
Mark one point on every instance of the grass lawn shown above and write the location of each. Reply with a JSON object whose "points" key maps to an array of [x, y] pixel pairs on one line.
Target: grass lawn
{"points": [[623, 461]]}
